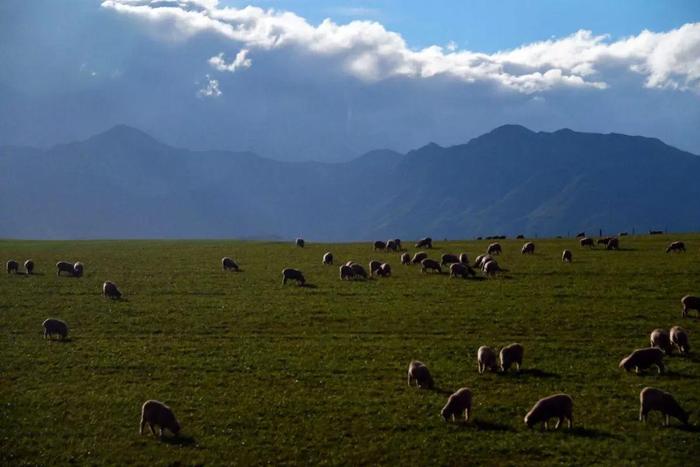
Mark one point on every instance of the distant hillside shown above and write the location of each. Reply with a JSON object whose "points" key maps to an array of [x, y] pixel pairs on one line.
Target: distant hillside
{"points": [[122, 183]]}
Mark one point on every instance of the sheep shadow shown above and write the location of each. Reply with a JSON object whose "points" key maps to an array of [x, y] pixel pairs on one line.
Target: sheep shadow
{"points": [[178, 440], [309, 286], [688, 428], [528, 372], [675, 375], [443, 391], [485, 425], [66, 340], [592, 433]]}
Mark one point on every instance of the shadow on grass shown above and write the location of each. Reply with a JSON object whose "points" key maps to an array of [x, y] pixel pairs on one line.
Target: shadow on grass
{"points": [[528, 372], [67, 340], [688, 428], [592, 433], [179, 440], [443, 391], [675, 375], [309, 286], [485, 425]]}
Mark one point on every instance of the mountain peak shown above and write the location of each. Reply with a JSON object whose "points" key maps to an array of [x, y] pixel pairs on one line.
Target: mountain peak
{"points": [[511, 129], [124, 134]]}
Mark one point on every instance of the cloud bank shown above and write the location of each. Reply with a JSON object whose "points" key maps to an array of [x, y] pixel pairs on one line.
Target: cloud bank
{"points": [[367, 51]]}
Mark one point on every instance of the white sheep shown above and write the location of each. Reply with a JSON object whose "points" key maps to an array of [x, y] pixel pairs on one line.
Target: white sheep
{"points": [[679, 338], [662, 401], [457, 404], [418, 372], [511, 355], [487, 359], [556, 406], [155, 413]]}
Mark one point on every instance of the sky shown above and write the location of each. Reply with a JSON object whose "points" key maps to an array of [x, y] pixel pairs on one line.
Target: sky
{"points": [[330, 80]]}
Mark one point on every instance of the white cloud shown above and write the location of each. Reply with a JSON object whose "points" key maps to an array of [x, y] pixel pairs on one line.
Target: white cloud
{"points": [[210, 89], [241, 61], [368, 51]]}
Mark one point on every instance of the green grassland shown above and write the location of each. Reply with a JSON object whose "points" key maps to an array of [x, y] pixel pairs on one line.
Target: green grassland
{"points": [[259, 373]]}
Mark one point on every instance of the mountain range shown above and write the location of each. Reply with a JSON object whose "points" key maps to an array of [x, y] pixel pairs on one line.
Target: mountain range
{"points": [[125, 184]]}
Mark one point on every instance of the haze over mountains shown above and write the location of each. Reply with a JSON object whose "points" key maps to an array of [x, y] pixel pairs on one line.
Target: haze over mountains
{"points": [[124, 184]]}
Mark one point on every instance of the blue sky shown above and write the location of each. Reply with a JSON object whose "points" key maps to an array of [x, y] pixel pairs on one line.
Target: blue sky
{"points": [[299, 80]]}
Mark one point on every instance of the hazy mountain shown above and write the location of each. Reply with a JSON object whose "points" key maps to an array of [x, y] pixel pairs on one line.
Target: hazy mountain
{"points": [[123, 183]]}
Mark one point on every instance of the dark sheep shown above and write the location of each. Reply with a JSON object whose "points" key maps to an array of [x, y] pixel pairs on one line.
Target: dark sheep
{"points": [[677, 247], [459, 403], [494, 249], [418, 257], [642, 359], [418, 372], [464, 258], [426, 242], [397, 241], [586, 242], [603, 240], [558, 406], [379, 245], [511, 355], [661, 339], [293, 275], [328, 258], [405, 258], [520, 237], [481, 260], [78, 269], [374, 266], [227, 264], [613, 244], [29, 266], [300, 242], [345, 272], [655, 399], [448, 259], [64, 266], [461, 270], [690, 302], [55, 327], [581, 235], [486, 359], [358, 271], [566, 256], [528, 249], [155, 413], [490, 268], [110, 290], [12, 267], [430, 264], [679, 338], [384, 270], [391, 245]]}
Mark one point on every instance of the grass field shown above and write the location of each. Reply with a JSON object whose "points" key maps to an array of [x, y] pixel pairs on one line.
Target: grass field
{"points": [[259, 373]]}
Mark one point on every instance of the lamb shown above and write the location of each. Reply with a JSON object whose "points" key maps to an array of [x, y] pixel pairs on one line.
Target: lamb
{"points": [[676, 246], [110, 290], [155, 413], [405, 259], [461, 270], [300, 242], [690, 302], [384, 270], [457, 404], [426, 242], [64, 266], [418, 372], [581, 235], [12, 267], [556, 406], [566, 256], [227, 264], [586, 242], [656, 399], [391, 245], [679, 338], [464, 258], [53, 326], [379, 245], [345, 272], [613, 244], [358, 271], [431, 264], [528, 248], [642, 359], [448, 259], [660, 338], [490, 268], [293, 275], [494, 249], [511, 355], [78, 269], [29, 266], [374, 266], [487, 359], [418, 257]]}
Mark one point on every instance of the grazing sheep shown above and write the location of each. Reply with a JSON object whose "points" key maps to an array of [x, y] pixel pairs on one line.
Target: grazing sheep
{"points": [[426, 242], [328, 258], [405, 258], [110, 290], [662, 401], [457, 404], [464, 258], [155, 413], [566, 256], [391, 245], [431, 264], [374, 266], [613, 244], [661, 339], [345, 272], [642, 359], [586, 242], [448, 259], [29, 266], [418, 257], [690, 302], [300, 242], [397, 241], [78, 269], [12, 266], [358, 271], [349, 263], [528, 248], [379, 245], [481, 260], [679, 338], [227, 264], [418, 372], [581, 235], [293, 275], [603, 240], [556, 406], [490, 268], [64, 266], [676, 246], [384, 270], [487, 359], [494, 249], [461, 270], [511, 355], [53, 326]]}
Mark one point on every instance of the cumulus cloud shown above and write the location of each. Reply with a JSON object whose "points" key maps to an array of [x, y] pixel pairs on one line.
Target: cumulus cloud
{"points": [[210, 89], [241, 61], [369, 51]]}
